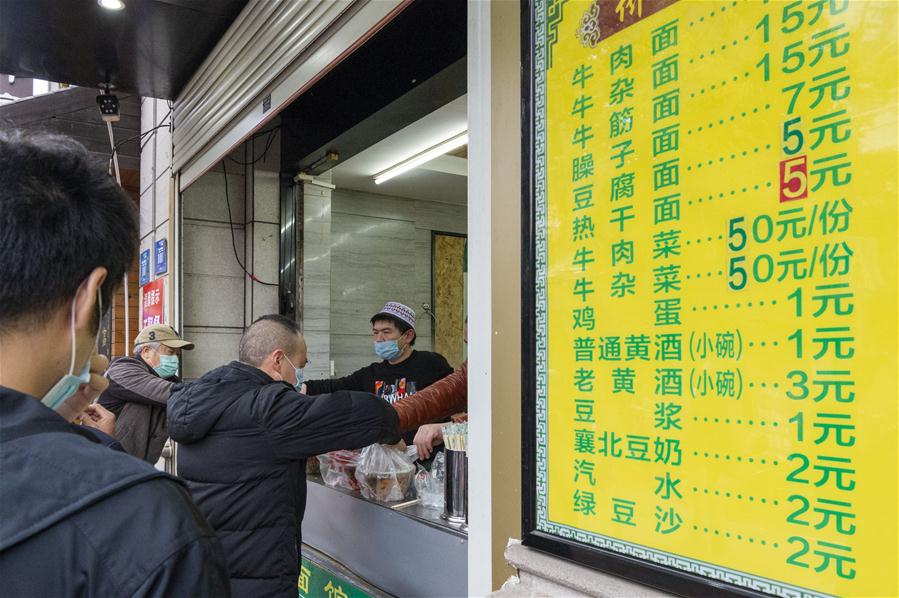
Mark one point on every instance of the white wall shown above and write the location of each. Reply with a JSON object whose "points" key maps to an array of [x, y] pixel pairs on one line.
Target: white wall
{"points": [[378, 249]]}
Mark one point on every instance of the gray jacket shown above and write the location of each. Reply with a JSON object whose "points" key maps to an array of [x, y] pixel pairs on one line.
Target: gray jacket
{"points": [[137, 396]]}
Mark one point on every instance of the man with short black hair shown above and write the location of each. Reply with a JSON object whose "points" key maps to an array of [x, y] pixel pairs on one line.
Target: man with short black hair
{"points": [[402, 371], [244, 433], [75, 517], [139, 387]]}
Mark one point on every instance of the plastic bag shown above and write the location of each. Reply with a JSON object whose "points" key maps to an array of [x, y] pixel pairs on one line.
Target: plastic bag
{"points": [[338, 469], [429, 484], [384, 473]]}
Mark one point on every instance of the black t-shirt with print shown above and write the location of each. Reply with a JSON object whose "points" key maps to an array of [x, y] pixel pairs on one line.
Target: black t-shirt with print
{"points": [[391, 382]]}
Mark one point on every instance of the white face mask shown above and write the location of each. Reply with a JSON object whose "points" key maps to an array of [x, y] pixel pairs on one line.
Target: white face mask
{"points": [[68, 385]]}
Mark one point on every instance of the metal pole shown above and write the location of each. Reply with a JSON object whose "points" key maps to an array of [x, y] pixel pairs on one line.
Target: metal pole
{"points": [[118, 178]]}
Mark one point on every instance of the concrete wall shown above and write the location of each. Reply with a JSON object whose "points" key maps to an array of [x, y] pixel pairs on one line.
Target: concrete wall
{"points": [[378, 249], [156, 191], [220, 300]]}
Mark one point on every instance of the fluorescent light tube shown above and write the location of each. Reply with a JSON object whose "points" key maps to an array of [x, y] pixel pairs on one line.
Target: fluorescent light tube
{"points": [[426, 156]]}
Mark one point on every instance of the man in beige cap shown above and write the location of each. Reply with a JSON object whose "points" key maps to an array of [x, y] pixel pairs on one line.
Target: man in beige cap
{"points": [[139, 387]]}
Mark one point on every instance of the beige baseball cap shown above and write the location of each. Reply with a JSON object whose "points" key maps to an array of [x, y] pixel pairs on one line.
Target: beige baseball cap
{"points": [[164, 335]]}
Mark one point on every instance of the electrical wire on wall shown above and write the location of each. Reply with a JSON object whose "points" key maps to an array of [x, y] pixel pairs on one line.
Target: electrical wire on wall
{"points": [[231, 226]]}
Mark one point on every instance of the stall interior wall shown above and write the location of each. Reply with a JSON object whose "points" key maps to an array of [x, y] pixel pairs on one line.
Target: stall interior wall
{"points": [[373, 249], [220, 300]]}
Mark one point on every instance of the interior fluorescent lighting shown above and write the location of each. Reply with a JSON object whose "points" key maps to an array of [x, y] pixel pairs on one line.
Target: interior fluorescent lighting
{"points": [[426, 156], [111, 4]]}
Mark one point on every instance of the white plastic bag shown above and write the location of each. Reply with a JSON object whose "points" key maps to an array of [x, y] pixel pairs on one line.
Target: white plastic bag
{"points": [[384, 473], [429, 484]]}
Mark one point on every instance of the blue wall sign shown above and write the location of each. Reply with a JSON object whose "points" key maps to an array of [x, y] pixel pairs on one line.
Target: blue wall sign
{"points": [[162, 256], [144, 267]]}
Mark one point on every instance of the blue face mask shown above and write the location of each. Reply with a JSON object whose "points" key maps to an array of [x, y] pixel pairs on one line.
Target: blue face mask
{"points": [[387, 349], [298, 372], [68, 384], [168, 366]]}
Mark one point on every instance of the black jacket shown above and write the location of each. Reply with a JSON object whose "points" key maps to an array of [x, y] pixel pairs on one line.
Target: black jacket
{"points": [[78, 519], [244, 439]]}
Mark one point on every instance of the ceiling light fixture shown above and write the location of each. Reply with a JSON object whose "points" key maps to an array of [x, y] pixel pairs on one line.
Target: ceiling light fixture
{"points": [[111, 4], [429, 154]]}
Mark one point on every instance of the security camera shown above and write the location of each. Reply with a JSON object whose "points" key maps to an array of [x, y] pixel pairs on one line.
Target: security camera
{"points": [[109, 107]]}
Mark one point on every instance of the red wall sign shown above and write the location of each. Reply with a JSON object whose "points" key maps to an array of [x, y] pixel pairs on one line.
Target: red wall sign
{"points": [[153, 303]]}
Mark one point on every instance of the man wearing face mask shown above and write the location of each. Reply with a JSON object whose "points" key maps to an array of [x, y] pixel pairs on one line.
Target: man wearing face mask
{"points": [[139, 387], [402, 372], [244, 433], [76, 518]]}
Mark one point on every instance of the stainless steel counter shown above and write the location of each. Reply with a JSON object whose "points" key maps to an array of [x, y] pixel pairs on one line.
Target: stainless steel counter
{"points": [[405, 551]]}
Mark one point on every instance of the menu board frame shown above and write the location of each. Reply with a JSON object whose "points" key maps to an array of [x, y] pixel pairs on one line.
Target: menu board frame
{"points": [[675, 580], [645, 572]]}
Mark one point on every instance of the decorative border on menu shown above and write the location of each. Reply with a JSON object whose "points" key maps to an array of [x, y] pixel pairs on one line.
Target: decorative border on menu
{"points": [[543, 522]]}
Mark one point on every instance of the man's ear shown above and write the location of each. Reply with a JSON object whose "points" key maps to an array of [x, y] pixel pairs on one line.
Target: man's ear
{"points": [[86, 298]]}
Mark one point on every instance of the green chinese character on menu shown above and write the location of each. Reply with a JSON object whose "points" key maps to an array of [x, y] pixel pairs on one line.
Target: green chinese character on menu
{"points": [[838, 468], [666, 244], [839, 512], [664, 71], [581, 74], [621, 88], [838, 424], [584, 468], [583, 410], [637, 347], [666, 139], [666, 209], [582, 134], [583, 257], [623, 283], [667, 416], [666, 105], [666, 278], [834, 167], [834, 297], [667, 312], [584, 347], [584, 502], [669, 347], [609, 348], [667, 487], [637, 447], [622, 151], [582, 228], [665, 174], [582, 103], [834, 339], [668, 520], [583, 317], [622, 58], [622, 252], [725, 383], [583, 379], [622, 186], [585, 441], [623, 511], [623, 380], [669, 382], [621, 122], [621, 215], [835, 556], [582, 288], [583, 197], [668, 451], [664, 37], [834, 127], [582, 167]]}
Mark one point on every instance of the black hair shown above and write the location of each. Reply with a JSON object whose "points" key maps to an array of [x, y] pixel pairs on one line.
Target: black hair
{"points": [[61, 216], [265, 335], [400, 325]]}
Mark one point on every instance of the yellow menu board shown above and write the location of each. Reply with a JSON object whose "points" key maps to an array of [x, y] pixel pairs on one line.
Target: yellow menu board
{"points": [[716, 209]]}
